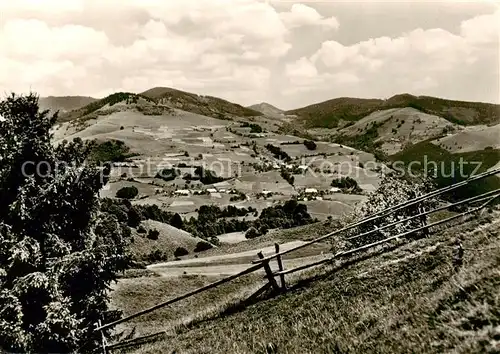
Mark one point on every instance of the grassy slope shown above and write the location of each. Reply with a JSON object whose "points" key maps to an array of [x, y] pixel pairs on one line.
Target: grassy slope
{"points": [[408, 300], [169, 239], [133, 295], [448, 162], [98, 104], [327, 114], [205, 105]]}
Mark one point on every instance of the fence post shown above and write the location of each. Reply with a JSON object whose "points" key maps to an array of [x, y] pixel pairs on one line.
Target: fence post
{"points": [[103, 339], [423, 221], [280, 267], [269, 273]]}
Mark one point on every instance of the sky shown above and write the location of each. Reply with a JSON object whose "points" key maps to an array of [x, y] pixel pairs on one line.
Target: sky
{"points": [[287, 53]]}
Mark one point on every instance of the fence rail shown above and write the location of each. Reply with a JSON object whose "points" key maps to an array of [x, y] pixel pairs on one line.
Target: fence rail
{"points": [[264, 262]]}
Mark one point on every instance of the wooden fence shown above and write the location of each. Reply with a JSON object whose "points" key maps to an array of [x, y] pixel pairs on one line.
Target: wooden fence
{"points": [[264, 262]]}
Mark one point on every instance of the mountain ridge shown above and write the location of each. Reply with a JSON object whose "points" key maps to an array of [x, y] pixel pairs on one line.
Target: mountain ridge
{"points": [[329, 113]]}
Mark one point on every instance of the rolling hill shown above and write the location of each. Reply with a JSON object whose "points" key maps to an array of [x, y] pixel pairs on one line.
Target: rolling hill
{"points": [[329, 114], [112, 103], [205, 105], [267, 109], [398, 127], [169, 239], [157, 101]]}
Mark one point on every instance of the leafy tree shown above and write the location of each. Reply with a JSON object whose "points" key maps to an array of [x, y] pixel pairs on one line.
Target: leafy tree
{"points": [[346, 184], [58, 251], [177, 221], [110, 151], [278, 153], [392, 191], [310, 145], [153, 234], [252, 233], [127, 192], [168, 174], [207, 176], [202, 246]]}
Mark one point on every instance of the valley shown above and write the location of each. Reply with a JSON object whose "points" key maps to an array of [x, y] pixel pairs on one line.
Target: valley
{"points": [[206, 171]]}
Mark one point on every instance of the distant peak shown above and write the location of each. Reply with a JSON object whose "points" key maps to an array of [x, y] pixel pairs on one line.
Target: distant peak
{"points": [[266, 108]]}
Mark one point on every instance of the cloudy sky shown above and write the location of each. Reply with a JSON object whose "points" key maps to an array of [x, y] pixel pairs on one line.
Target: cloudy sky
{"points": [[287, 53]]}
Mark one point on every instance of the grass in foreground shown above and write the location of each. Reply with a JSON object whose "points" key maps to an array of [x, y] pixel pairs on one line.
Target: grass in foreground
{"points": [[412, 299]]}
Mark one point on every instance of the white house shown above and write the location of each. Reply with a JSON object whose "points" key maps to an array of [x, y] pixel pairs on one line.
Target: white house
{"points": [[334, 190], [184, 192], [303, 167], [211, 190], [311, 191], [266, 193]]}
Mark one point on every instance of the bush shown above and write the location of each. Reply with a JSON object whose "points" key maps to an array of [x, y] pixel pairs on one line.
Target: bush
{"points": [[278, 152], [177, 221], [263, 229], [168, 174], [141, 230], [310, 145], [156, 255], [180, 251], [153, 234], [347, 184], [252, 233], [202, 246], [110, 151], [207, 176], [254, 128], [127, 192]]}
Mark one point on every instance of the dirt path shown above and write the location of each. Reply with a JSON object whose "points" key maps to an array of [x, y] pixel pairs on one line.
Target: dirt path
{"points": [[227, 264]]}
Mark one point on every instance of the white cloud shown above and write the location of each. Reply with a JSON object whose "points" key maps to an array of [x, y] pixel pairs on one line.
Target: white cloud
{"points": [[333, 54], [419, 60], [301, 69], [42, 42], [303, 15], [239, 49], [482, 29], [44, 8]]}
